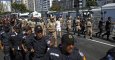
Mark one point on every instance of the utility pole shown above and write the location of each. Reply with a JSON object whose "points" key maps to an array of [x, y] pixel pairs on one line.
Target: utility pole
{"points": [[34, 5]]}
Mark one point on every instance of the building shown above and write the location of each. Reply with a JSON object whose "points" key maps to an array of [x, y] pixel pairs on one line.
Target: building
{"points": [[6, 5], [103, 2], [51, 3], [66, 4], [42, 5], [71, 4], [31, 5], [16, 1], [83, 3]]}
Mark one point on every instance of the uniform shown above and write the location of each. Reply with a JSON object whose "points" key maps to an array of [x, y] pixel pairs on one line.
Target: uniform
{"points": [[16, 42], [52, 29], [89, 28], [27, 46], [40, 47], [4, 35], [78, 28], [69, 24], [60, 53], [42, 24], [5, 42]]}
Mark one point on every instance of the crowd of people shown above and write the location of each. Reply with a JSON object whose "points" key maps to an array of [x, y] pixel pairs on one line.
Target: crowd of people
{"points": [[31, 40], [37, 39]]}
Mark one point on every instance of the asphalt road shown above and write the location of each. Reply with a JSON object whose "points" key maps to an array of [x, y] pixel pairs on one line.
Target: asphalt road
{"points": [[94, 49]]}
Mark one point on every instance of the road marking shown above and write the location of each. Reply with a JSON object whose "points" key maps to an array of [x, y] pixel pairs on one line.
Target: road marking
{"points": [[101, 42]]}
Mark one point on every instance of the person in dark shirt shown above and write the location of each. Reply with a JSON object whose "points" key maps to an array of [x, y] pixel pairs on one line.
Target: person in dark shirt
{"points": [[65, 51], [107, 28], [100, 27], [15, 38], [39, 44], [5, 42], [26, 45]]}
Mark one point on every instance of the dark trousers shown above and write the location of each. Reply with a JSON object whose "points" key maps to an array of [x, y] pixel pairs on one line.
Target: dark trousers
{"points": [[6, 53], [100, 32], [107, 33], [83, 30], [16, 55], [28, 55]]}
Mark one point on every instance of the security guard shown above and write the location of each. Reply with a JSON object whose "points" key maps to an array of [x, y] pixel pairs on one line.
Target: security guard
{"points": [[65, 51], [26, 45], [89, 28], [16, 43], [5, 42], [39, 43], [69, 24], [107, 28], [78, 28], [52, 29]]}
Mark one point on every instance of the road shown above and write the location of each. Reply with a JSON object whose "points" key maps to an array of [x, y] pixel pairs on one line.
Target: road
{"points": [[94, 49]]}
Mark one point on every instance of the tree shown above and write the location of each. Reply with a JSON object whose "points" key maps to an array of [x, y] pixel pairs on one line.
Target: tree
{"points": [[19, 7], [55, 7], [91, 3]]}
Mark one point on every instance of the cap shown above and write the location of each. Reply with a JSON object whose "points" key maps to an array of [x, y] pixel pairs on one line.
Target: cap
{"points": [[38, 29], [67, 39]]}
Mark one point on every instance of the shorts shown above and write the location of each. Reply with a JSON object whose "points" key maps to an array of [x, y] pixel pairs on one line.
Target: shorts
{"points": [[58, 28]]}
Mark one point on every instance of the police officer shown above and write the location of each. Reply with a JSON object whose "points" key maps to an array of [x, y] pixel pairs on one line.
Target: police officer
{"points": [[52, 30], [100, 26], [65, 51], [16, 43], [39, 43], [26, 43], [107, 28], [89, 28], [42, 24], [69, 24], [5, 42], [78, 23]]}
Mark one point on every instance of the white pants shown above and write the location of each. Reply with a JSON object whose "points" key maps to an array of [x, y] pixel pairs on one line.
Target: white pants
{"points": [[58, 28]]}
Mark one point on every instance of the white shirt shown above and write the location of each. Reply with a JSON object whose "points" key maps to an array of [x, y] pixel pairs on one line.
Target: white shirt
{"points": [[58, 24]]}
